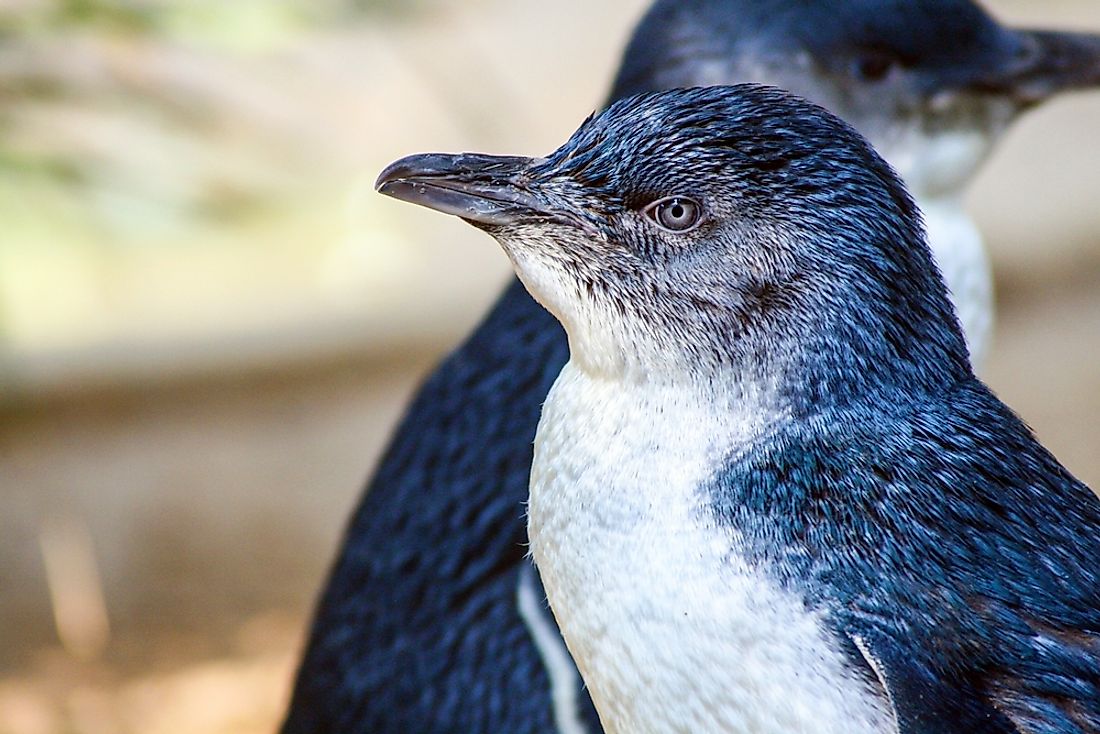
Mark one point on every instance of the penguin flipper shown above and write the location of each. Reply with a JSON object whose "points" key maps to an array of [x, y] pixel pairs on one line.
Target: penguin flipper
{"points": [[1056, 688], [921, 701]]}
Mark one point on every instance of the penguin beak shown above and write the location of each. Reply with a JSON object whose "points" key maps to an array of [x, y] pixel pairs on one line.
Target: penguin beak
{"points": [[482, 189], [1044, 63]]}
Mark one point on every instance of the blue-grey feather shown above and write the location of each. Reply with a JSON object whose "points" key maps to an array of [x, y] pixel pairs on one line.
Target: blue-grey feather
{"points": [[940, 529]]}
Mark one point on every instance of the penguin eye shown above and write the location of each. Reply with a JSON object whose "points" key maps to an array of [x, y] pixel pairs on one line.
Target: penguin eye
{"points": [[873, 66], [675, 213]]}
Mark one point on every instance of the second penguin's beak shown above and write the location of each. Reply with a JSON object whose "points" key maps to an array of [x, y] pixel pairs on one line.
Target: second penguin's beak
{"points": [[484, 190], [1044, 63]]}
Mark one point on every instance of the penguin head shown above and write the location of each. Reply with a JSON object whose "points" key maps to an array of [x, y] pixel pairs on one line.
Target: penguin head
{"points": [[692, 232]]}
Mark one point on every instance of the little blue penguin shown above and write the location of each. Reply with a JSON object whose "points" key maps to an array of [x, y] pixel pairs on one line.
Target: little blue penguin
{"points": [[432, 620], [769, 494]]}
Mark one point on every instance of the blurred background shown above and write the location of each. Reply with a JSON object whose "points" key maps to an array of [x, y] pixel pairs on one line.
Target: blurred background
{"points": [[209, 321]]}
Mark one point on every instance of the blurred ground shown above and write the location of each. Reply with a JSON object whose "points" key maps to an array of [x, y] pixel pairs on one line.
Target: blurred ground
{"points": [[208, 323]]}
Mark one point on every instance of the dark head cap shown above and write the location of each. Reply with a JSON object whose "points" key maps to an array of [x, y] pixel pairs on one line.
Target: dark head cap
{"points": [[905, 73], [938, 44], [696, 231]]}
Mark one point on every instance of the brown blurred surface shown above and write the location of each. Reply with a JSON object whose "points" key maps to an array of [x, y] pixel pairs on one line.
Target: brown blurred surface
{"points": [[207, 446]]}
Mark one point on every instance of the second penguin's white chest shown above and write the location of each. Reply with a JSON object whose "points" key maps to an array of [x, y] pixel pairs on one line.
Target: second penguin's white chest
{"points": [[671, 629]]}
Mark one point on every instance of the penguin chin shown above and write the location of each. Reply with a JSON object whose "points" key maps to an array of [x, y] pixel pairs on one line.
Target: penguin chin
{"points": [[598, 343], [542, 280], [938, 150]]}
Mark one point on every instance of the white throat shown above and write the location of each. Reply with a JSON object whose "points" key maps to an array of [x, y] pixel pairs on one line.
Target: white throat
{"points": [[957, 247], [670, 627], [936, 169]]}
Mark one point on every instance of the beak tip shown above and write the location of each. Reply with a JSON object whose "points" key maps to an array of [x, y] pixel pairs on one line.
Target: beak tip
{"points": [[402, 189], [391, 173], [383, 187]]}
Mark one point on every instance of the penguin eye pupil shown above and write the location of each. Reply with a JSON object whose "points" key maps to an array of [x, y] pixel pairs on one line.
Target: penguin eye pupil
{"points": [[675, 213], [873, 66]]}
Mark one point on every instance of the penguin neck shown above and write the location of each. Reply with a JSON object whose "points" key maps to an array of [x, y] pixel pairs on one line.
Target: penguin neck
{"points": [[602, 441], [652, 378], [707, 396]]}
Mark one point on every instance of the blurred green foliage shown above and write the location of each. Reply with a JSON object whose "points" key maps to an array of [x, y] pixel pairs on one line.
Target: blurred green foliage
{"points": [[130, 127], [63, 14], [217, 19]]}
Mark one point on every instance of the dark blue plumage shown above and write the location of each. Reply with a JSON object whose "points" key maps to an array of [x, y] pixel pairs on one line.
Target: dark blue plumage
{"points": [[941, 533], [418, 629]]}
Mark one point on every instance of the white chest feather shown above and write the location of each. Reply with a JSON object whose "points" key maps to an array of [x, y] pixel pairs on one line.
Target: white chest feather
{"points": [[670, 628]]}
